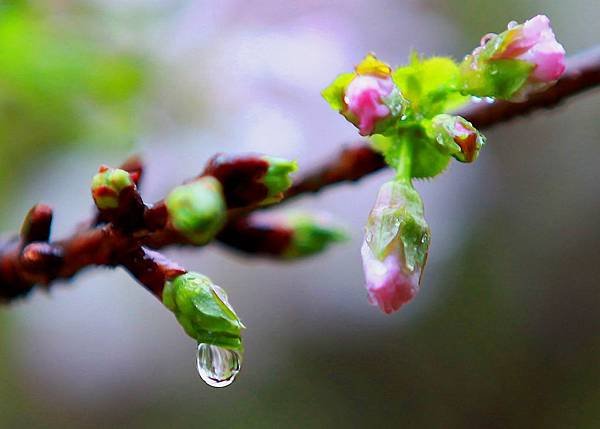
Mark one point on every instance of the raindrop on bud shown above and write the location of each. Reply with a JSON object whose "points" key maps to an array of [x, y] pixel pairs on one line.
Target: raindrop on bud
{"points": [[216, 365]]}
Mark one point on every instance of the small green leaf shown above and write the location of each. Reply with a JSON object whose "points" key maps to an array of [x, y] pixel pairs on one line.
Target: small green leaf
{"points": [[430, 85], [427, 161], [334, 93]]}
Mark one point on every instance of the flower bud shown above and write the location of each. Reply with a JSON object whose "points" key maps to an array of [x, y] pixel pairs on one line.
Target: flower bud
{"points": [[310, 234], [203, 310], [457, 137], [107, 185], [368, 98], [197, 209], [277, 179], [522, 60], [395, 248]]}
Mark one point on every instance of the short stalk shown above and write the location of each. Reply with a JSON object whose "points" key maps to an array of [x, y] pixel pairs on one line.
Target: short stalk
{"points": [[404, 165]]}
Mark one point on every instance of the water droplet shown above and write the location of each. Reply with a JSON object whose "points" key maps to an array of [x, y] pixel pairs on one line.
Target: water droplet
{"points": [[489, 100], [512, 24], [369, 236], [486, 38], [476, 99], [216, 365]]}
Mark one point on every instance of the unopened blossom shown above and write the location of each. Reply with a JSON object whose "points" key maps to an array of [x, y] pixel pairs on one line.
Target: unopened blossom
{"points": [[457, 137], [368, 97], [365, 101], [535, 43], [524, 59], [389, 286], [395, 248]]}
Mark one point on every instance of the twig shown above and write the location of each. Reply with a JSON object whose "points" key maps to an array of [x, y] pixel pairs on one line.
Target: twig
{"points": [[120, 238]]}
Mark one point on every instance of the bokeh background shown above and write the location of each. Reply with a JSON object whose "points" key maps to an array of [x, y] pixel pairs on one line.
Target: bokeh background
{"points": [[505, 332]]}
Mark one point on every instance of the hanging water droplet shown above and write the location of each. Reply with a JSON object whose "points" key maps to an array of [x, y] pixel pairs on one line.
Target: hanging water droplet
{"points": [[216, 365]]}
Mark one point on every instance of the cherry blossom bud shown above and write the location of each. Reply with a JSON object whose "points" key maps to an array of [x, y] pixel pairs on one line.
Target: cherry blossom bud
{"points": [[108, 184], [534, 42], [277, 178], [368, 98], [197, 209], [522, 60], [203, 310], [457, 137], [395, 248]]}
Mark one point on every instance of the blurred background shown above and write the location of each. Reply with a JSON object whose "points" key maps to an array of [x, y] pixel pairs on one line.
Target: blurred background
{"points": [[505, 332]]}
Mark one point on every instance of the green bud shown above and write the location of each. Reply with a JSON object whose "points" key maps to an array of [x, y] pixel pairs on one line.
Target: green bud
{"points": [[197, 210], [107, 185], [398, 219], [311, 235], [456, 136], [500, 78], [277, 178], [487, 72], [203, 311]]}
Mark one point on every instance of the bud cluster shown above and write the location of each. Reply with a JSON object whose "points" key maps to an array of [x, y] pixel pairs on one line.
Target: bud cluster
{"points": [[406, 111]]}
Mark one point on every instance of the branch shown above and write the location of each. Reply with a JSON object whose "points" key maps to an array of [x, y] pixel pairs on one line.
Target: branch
{"points": [[115, 238], [119, 236]]}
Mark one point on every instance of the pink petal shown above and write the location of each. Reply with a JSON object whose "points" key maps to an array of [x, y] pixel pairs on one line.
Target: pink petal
{"points": [[364, 101], [549, 58], [387, 284]]}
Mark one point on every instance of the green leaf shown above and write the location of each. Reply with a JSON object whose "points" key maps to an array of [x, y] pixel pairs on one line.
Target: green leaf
{"points": [[427, 160], [334, 93], [430, 85]]}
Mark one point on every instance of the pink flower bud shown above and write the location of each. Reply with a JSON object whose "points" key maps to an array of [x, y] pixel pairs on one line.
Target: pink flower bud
{"points": [[524, 59], [395, 248], [457, 137], [388, 285], [365, 101], [367, 97], [534, 42]]}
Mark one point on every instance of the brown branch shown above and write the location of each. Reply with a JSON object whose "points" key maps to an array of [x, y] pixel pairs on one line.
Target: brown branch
{"points": [[247, 235], [33, 259], [119, 236]]}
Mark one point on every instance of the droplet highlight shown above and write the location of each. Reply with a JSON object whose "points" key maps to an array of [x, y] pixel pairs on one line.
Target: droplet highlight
{"points": [[217, 366]]}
